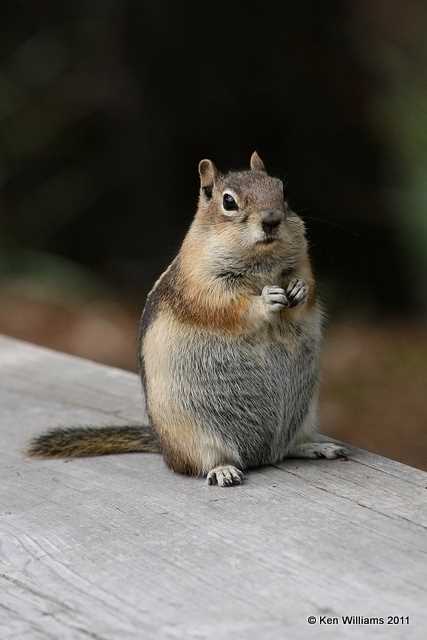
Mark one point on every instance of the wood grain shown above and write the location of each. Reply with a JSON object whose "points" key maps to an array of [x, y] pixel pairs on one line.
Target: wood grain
{"points": [[121, 548]]}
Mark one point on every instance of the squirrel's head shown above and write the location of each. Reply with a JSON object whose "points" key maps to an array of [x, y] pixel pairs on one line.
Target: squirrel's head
{"points": [[247, 211]]}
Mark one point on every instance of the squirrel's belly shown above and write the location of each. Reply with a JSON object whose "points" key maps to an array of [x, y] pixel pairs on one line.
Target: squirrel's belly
{"points": [[254, 396]]}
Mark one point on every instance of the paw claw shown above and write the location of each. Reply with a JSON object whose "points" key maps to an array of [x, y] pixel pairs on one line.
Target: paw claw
{"points": [[225, 476], [296, 292], [275, 298], [315, 450]]}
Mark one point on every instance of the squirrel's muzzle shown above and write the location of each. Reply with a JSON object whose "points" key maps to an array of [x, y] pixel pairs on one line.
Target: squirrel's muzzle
{"points": [[270, 220]]}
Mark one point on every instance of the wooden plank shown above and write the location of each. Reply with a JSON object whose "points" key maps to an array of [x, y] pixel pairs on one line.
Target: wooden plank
{"points": [[120, 547]]}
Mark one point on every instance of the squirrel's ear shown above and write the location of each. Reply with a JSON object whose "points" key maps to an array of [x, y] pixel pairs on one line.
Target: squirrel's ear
{"points": [[208, 174], [256, 163]]}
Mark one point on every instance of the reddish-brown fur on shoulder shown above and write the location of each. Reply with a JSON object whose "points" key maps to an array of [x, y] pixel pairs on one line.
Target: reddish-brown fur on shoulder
{"points": [[198, 299], [226, 313]]}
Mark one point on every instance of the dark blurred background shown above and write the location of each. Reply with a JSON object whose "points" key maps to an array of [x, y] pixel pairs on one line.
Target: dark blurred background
{"points": [[106, 107]]}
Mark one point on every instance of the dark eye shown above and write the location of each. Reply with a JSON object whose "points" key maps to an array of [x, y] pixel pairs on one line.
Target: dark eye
{"points": [[229, 203]]}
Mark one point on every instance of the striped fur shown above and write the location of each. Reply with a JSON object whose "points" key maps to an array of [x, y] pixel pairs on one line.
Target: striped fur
{"points": [[78, 442]]}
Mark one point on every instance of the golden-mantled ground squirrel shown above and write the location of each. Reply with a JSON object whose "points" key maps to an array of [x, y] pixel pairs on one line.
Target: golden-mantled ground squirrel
{"points": [[229, 342]]}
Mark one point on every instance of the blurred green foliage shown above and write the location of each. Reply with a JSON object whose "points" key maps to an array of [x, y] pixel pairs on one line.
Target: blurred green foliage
{"points": [[391, 39]]}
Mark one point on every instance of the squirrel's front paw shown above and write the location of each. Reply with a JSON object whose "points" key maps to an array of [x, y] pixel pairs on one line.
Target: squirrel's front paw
{"points": [[275, 298], [296, 292]]}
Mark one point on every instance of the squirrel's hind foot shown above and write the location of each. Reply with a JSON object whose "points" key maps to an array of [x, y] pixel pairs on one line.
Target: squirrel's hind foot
{"points": [[225, 476], [314, 450]]}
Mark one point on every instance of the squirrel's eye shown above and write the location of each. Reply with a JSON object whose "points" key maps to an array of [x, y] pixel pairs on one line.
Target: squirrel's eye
{"points": [[229, 203]]}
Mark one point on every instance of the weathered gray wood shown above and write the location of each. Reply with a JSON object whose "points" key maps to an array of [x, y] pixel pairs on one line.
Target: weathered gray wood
{"points": [[119, 547]]}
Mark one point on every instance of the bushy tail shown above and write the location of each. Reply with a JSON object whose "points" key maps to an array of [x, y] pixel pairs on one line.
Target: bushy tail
{"points": [[93, 441]]}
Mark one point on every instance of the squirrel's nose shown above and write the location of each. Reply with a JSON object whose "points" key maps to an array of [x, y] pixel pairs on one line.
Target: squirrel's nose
{"points": [[270, 220]]}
